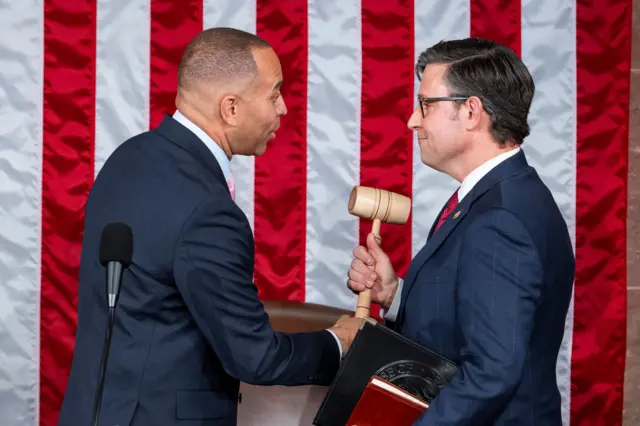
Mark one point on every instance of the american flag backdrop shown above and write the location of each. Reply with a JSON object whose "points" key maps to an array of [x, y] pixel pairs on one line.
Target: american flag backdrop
{"points": [[78, 77]]}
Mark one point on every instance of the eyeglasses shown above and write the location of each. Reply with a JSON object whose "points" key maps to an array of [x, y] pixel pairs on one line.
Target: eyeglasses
{"points": [[424, 102]]}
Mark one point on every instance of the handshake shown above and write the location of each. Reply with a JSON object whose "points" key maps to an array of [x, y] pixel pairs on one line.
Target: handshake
{"points": [[371, 275]]}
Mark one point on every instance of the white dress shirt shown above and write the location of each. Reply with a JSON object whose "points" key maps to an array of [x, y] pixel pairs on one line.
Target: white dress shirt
{"points": [[215, 149], [467, 185], [224, 163]]}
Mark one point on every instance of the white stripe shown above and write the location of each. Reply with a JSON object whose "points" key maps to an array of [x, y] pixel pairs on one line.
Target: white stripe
{"points": [[240, 14], [333, 148], [548, 49], [122, 74], [21, 86], [435, 20]]}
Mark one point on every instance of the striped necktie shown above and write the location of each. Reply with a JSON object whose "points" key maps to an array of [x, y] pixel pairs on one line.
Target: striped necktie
{"points": [[451, 205]]}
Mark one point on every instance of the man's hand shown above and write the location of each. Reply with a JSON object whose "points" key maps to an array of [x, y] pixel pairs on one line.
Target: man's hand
{"points": [[346, 329], [382, 280]]}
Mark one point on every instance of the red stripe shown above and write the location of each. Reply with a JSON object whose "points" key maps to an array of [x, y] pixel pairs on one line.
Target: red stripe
{"points": [[498, 20], [386, 158], [281, 173], [173, 25], [599, 328], [68, 140]]}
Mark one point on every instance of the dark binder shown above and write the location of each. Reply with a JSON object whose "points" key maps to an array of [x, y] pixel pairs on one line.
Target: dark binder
{"points": [[380, 351]]}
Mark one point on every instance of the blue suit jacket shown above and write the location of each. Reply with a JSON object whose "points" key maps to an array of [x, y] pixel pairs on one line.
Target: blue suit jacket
{"points": [[490, 290], [189, 325]]}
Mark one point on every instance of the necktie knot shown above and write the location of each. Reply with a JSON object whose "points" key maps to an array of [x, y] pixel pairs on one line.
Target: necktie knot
{"points": [[448, 208]]}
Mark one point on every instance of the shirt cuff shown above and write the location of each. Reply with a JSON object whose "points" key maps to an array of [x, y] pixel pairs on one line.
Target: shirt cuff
{"points": [[338, 342], [392, 313]]}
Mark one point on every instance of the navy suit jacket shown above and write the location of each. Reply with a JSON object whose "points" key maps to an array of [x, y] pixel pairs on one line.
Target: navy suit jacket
{"points": [[189, 325], [490, 290]]}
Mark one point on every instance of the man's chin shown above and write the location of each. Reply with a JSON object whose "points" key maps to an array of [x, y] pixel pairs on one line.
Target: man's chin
{"points": [[431, 163], [260, 150]]}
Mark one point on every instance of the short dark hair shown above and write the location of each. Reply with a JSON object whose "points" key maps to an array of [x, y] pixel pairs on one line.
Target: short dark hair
{"points": [[493, 73], [219, 54]]}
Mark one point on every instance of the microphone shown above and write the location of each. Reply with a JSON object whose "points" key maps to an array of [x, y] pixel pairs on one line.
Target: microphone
{"points": [[116, 251]]}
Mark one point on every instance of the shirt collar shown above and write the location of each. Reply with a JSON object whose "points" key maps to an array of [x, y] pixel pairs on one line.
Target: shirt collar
{"points": [[218, 152], [474, 177]]}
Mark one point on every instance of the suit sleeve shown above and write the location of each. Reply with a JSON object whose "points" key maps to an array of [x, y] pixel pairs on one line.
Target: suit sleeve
{"points": [[213, 270], [499, 284]]}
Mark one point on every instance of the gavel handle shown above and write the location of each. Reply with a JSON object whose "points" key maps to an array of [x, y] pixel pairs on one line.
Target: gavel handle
{"points": [[375, 230], [363, 309]]}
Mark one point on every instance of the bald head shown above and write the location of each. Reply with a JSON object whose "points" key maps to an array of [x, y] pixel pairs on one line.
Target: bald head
{"points": [[229, 86], [219, 56]]}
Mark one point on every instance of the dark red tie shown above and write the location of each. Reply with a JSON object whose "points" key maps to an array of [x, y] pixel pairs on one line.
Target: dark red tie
{"points": [[451, 205]]}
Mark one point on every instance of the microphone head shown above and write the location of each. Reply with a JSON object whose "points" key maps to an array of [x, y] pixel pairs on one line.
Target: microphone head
{"points": [[116, 244]]}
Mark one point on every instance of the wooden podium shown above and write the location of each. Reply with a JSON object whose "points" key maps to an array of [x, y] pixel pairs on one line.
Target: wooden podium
{"points": [[282, 405]]}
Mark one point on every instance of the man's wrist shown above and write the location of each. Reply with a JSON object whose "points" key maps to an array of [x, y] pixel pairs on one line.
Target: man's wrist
{"points": [[387, 303]]}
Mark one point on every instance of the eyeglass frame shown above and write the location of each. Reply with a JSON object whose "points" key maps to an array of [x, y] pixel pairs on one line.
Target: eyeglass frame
{"points": [[424, 101]]}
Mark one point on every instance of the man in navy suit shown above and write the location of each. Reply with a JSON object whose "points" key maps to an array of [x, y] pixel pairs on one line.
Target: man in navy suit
{"points": [[491, 287], [189, 325]]}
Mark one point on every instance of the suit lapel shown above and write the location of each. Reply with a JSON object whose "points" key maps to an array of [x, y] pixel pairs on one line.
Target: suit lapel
{"points": [[433, 243], [508, 168], [179, 135]]}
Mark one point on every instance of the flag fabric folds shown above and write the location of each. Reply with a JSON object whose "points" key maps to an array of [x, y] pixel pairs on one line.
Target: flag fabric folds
{"points": [[77, 78]]}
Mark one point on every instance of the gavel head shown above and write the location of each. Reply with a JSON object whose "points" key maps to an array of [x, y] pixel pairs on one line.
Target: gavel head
{"points": [[386, 206]]}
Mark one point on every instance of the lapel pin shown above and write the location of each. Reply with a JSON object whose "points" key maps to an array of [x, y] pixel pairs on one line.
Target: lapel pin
{"points": [[455, 216]]}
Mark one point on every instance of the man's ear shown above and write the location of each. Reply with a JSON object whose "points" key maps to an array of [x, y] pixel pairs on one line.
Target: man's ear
{"points": [[472, 112], [229, 110]]}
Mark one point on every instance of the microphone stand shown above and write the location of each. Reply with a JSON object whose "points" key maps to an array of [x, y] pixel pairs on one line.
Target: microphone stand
{"points": [[114, 274], [103, 368]]}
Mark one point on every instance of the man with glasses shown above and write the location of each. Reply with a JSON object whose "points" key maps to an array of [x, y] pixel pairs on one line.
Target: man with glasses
{"points": [[491, 287]]}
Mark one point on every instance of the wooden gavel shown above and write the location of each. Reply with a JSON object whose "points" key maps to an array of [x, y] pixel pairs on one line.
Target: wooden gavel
{"points": [[380, 206]]}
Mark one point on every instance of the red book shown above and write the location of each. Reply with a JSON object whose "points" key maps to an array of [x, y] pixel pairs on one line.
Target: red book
{"points": [[383, 404]]}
